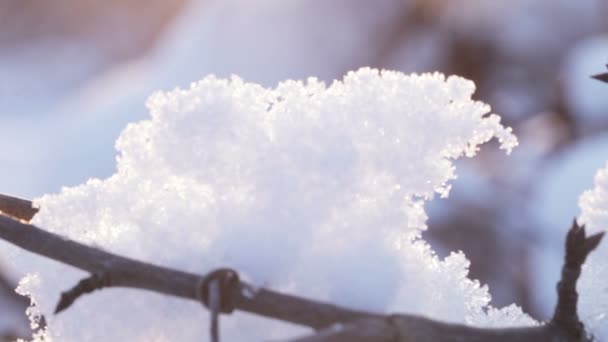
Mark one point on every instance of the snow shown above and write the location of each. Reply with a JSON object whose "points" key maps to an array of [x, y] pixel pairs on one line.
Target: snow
{"points": [[49, 143], [312, 189], [558, 185], [563, 179], [592, 287]]}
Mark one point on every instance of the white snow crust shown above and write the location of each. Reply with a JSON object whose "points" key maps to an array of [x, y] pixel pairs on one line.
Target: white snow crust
{"points": [[313, 189]]}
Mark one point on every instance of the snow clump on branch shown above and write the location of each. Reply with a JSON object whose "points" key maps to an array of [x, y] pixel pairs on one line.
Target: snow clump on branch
{"points": [[313, 189]]}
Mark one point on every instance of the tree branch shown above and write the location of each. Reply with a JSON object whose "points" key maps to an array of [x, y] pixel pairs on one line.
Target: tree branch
{"points": [[416, 328], [126, 272], [578, 247], [602, 77], [333, 323], [17, 207]]}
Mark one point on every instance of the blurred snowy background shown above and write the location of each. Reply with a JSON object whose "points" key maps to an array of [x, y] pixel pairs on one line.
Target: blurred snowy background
{"points": [[72, 74]]}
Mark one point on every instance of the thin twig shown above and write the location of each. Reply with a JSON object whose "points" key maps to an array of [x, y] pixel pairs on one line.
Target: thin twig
{"points": [[578, 247], [127, 272], [17, 207], [97, 281], [214, 309]]}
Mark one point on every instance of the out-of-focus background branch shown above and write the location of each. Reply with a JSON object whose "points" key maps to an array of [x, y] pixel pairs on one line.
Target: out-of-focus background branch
{"points": [[73, 74]]}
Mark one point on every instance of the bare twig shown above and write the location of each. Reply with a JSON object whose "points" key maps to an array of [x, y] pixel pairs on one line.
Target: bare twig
{"points": [[417, 328], [333, 323], [17, 207], [126, 272], [96, 281], [602, 77], [578, 247]]}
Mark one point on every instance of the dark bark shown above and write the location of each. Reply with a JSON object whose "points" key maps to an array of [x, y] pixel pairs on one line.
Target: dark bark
{"points": [[17, 207], [602, 77]]}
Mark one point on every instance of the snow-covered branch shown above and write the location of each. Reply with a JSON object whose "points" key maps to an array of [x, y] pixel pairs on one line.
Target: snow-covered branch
{"points": [[333, 323]]}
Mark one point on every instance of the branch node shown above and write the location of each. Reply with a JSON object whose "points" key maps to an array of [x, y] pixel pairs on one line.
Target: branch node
{"points": [[95, 281], [217, 292], [228, 283], [578, 247]]}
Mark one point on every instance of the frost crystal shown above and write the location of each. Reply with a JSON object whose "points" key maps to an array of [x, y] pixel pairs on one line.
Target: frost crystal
{"points": [[307, 188], [592, 287], [27, 287]]}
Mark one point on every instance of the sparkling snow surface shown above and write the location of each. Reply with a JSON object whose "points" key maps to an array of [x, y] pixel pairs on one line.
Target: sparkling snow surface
{"points": [[312, 189], [593, 285]]}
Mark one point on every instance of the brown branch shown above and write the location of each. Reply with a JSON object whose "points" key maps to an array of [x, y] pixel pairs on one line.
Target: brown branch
{"points": [[87, 285], [416, 328], [126, 272], [17, 207], [334, 323], [578, 247], [369, 330], [602, 77], [217, 292]]}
